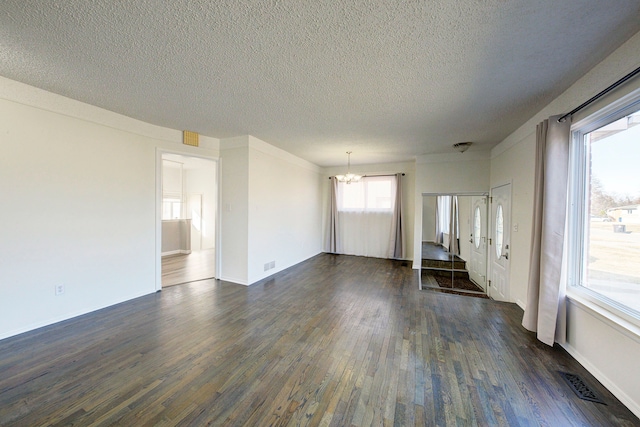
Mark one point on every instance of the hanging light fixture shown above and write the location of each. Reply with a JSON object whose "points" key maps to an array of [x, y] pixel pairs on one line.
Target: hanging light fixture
{"points": [[348, 177]]}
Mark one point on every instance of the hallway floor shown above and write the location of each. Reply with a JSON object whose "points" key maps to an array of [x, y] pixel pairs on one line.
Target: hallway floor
{"points": [[179, 269]]}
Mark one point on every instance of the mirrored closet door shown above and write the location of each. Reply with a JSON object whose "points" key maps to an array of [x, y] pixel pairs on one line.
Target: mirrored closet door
{"points": [[454, 243]]}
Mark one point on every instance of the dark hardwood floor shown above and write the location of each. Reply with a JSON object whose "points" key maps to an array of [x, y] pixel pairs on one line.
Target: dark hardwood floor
{"points": [[334, 341]]}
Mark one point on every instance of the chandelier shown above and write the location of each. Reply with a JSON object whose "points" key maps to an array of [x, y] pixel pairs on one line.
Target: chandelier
{"points": [[348, 177]]}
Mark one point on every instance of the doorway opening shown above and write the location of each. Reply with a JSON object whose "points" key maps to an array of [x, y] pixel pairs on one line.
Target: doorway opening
{"points": [[189, 210], [454, 243]]}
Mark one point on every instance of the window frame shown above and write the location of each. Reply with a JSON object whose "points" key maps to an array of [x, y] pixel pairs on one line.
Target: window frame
{"points": [[578, 216]]}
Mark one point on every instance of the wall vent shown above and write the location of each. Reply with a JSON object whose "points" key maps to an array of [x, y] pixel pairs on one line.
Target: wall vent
{"points": [[580, 388], [190, 138]]}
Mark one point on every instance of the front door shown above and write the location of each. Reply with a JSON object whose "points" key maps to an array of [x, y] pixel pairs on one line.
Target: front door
{"points": [[478, 240], [499, 249]]}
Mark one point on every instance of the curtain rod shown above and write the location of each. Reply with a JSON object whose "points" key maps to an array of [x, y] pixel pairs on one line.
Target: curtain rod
{"points": [[601, 94], [382, 174]]}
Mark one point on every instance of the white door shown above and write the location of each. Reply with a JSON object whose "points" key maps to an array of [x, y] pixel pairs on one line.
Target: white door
{"points": [[499, 253], [478, 241]]}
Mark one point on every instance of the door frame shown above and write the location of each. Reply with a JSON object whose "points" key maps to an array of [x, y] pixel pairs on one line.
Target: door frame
{"points": [[492, 234], [158, 251]]}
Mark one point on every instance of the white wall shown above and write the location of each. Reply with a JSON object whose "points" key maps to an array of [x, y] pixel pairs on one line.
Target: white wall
{"points": [[202, 179], [68, 215], [285, 210], [234, 212], [593, 337], [447, 173], [429, 218], [176, 236], [516, 165], [408, 195], [171, 177], [271, 209]]}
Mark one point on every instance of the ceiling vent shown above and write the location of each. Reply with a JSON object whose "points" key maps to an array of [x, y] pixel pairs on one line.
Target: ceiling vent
{"points": [[190, 138]]}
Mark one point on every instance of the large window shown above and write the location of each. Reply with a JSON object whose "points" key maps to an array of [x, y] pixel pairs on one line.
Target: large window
{"points": [[375, 193], [605, 214], [365, 216]]}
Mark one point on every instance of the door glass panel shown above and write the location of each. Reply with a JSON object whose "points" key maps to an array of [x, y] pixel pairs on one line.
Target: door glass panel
{"points": [[499, 231], [477, 227]]}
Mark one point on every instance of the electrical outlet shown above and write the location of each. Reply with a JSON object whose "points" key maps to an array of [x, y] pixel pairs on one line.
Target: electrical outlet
{"points": [[272, 264], [266, 267], [59, 289]]}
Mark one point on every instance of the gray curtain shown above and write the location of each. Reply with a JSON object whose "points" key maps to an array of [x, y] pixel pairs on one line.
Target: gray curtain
{"points": [[396, 248], [332, 241], [545, 309], [454, 243]]}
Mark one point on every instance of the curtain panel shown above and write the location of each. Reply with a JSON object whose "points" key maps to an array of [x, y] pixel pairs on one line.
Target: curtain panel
{"points": [[447, 223], [545, 311], [454, 227], [332, 238], [443, 219], [396, 247]]}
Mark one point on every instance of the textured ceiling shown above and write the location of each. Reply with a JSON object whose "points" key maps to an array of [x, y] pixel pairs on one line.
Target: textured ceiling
{"points": [[386, 79]]}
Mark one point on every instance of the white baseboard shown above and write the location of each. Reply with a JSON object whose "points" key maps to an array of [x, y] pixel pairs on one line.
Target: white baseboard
{"points": [[234, 280], [610, 385], [179, 251], [81, 312]]}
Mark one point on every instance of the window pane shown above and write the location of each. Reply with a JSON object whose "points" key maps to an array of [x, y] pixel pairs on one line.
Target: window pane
{"points": [[477, 227], [499, 231], [612, 226], [379, 194], [352, 195], [370, 193]]}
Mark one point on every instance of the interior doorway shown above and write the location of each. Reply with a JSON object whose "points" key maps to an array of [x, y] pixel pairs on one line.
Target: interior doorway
{"points": [[188, 215]]}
